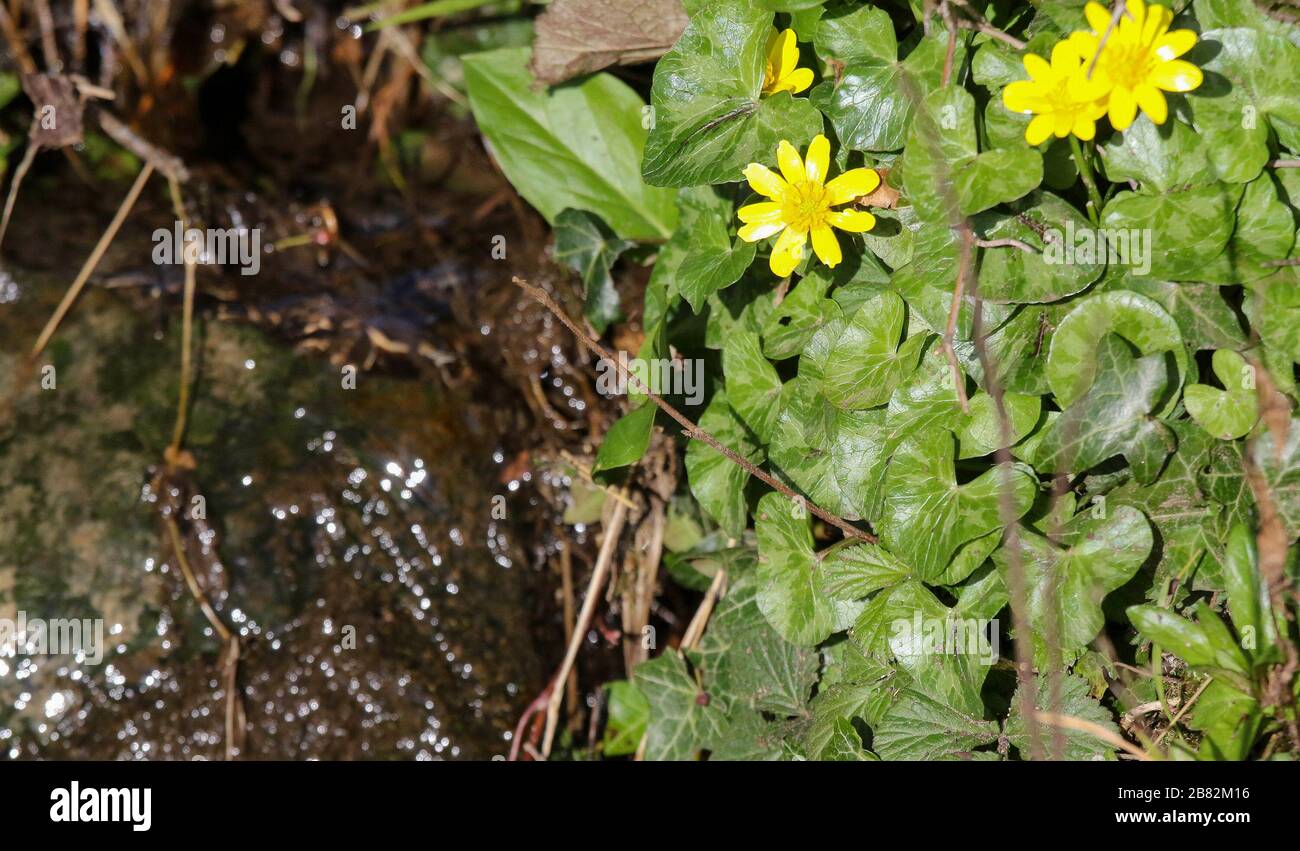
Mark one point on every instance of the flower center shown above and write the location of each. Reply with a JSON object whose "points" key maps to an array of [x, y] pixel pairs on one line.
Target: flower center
{"points": [[1128, 64], [805, 206]]}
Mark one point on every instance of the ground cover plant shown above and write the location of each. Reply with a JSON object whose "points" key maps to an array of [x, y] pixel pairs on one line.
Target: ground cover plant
{"points": [[999, 308]]}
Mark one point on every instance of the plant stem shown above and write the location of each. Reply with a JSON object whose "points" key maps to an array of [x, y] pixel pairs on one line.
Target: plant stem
{"points": [[1085, 171]]}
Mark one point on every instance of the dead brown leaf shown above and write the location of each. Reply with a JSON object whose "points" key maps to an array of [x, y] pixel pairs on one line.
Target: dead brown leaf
{"points": [[884, 196], [57, 115], [581, 36]]}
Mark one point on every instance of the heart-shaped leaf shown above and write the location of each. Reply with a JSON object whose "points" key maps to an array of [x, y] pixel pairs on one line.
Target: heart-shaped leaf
{"points": [[1231, 412], [927, 515], [710, 118], [1114, 417]]}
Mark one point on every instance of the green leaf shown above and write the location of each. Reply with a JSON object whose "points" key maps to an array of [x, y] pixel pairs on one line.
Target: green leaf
{"points": [[1231, 412], [586, 245], [857, 362], [1186, 639], [1204, 318], [927, 515], [792, 323], [1072, 359], [715, 257], [1073, 700], [1067, 582], [836, 457], [945, 173], [753, 387], [980, 433], [1159, 157], [1248, 599], [848, 33], [710, 117], [871, 102], [627, 439], [747, 663], [717, 481], [918, 727], [857, 571], [947, 653], [1113, 417], [865, 689], [1281, 469], [682, 723], [629, 713], [1261, 66], [543, 141], [1183, 230], [845, 744], [1051, 272], [790, 594]]}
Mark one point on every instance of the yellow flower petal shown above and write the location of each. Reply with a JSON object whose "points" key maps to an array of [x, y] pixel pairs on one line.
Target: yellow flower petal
{"points": [[818, 160], [852, 221], [789, 53], [1098, 16], [1176, 76], [1137, 9], [764, 181], [1037, 67], [1123, 108], [791, 165], [1020, 96], [1062, 123], [1038, 130], [796, 81], [1085, 127], [788, 252], [851, 184], [1158, 20], [764, 211], [1152, 101], [1173, 44], [760, 230], [826, 246]]}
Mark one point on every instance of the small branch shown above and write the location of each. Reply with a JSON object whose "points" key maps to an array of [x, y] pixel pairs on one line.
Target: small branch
{"points": [[1173, 722], [1290, 261], [1285, 164], [690, 429], [1070, 722], [950, 332], [951, 23], [1006, 242], [696, 628], [979, 22], [166, 163], [606, 558], [1120, 8], [92, 261]]}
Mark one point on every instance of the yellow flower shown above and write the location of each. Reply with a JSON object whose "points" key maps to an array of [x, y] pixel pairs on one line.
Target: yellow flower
{"points": [[1139, 62], [781, 73], [801, 205], [1060, 99]]}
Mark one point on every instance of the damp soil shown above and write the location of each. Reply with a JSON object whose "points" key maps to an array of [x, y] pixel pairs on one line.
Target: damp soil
{"points": [[374, 422]]}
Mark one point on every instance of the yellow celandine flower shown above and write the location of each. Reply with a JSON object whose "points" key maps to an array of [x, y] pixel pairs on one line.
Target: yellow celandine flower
{"points": [[781, 73], [801, 205], [1139, 61], [1058, 95]]}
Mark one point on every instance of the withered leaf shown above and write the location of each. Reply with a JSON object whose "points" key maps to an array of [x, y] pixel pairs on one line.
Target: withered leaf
{"points": [[577, 37], [57, 110]]}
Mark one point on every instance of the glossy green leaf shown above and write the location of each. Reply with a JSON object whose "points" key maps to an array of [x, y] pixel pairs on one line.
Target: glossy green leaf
{"points": [[710, 118], [1230, 412], [585, 244], [543, 142]]}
